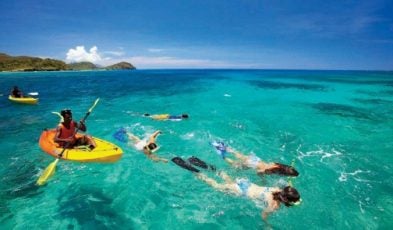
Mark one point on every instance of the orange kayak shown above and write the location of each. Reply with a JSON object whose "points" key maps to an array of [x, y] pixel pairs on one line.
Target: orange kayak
{"points": [[103, 152]]}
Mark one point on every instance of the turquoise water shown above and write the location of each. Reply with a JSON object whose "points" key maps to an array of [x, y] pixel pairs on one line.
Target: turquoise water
{"points": [[336, 125]]}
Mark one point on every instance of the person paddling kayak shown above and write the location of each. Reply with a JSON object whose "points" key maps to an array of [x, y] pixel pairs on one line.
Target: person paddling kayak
{"points": [[65, 132]]}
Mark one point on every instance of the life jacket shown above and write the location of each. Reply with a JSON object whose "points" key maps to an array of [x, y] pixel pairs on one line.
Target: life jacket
{"points": [[66, 133]]}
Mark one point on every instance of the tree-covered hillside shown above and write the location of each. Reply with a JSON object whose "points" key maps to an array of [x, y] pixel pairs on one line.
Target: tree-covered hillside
{"points": [[25, 63]]}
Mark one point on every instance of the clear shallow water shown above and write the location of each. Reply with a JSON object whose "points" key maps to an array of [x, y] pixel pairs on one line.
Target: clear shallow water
{"points": [[337, 126]]}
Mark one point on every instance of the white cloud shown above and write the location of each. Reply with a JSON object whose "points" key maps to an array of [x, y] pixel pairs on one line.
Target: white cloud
{"points": [[79, 54]]}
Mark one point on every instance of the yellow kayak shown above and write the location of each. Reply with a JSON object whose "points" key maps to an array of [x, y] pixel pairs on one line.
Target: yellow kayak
{"points": [[103, 152], [23, 100]]}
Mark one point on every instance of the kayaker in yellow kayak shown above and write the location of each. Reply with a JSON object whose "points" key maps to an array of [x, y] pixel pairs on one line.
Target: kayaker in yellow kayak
{"points": [[65, 132]]}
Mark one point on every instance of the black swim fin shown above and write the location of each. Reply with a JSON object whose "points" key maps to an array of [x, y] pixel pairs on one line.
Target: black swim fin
{"points": [[184, 164], [200, 163]]}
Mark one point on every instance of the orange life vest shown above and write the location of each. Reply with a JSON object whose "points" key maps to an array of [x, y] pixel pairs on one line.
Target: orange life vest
{"points": [[66, 133]]}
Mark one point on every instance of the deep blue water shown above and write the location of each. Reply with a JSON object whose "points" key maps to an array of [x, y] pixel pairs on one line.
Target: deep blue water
{"points": [[336, 125]]}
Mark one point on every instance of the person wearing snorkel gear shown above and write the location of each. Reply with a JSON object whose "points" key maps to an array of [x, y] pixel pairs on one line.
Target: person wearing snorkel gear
{"points": [[253, 162], [167, 116], [65, 132], [268, 198], [147, 146]]}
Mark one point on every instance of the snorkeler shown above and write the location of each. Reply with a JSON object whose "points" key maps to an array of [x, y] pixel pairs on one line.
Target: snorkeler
{"points": [[147, 146], [253, 162], [164, 117]]}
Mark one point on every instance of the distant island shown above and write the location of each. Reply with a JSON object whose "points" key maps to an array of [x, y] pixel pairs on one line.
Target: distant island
{"points": [[26, 63]]}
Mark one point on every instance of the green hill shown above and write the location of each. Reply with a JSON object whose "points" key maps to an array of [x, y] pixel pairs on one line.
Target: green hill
{"points": [[81, 66], [25, 63], [120, 65]]}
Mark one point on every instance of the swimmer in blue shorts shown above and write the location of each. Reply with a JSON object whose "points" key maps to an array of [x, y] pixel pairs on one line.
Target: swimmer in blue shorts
{"points": [[267, 198], [254, 162]]}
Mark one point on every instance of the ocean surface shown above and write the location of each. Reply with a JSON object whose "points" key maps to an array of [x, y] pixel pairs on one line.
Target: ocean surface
{"points": [[336, 126]]}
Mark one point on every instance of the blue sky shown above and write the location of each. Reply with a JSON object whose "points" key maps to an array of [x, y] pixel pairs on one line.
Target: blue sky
{"points": [[154, 34]]}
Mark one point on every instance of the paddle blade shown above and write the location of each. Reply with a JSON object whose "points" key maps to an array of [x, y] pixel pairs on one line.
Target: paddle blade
{"points": [[94, 105], [33, 93], [48, 172]]}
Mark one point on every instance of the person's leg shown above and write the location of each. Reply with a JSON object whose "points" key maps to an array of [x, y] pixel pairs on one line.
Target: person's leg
{"points": [[157, 158], [228, 187], [233, 163], [92, 144], [209, 181], [225, 177], [85, 140], [237, 154]]}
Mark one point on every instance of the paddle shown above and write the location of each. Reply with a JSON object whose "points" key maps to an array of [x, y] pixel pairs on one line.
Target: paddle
{"points": [[33, 94], [50, 170]]}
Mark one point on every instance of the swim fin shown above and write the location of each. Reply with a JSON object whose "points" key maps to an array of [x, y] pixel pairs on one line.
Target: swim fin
{"points": [[200, 163], [220, 147], [121, 135], [184, 164]]}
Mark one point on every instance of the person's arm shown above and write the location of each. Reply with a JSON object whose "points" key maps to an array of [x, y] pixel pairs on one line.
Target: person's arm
{"points": [[153, 137], [156, 158], [264, 214], [269, 209], [81, 126]]}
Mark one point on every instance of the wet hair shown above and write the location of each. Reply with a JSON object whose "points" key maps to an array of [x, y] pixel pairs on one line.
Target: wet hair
{"points": [[184, 115], [146, 114], [289, 195], [151, 146], [66, 111], [282, 170]]}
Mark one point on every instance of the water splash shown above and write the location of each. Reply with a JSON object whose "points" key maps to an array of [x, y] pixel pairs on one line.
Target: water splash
{"points": [[321, 153], [344, 175]]}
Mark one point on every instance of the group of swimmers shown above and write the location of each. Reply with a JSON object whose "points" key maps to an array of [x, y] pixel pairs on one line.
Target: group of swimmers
{"points": [[268, 198]]}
